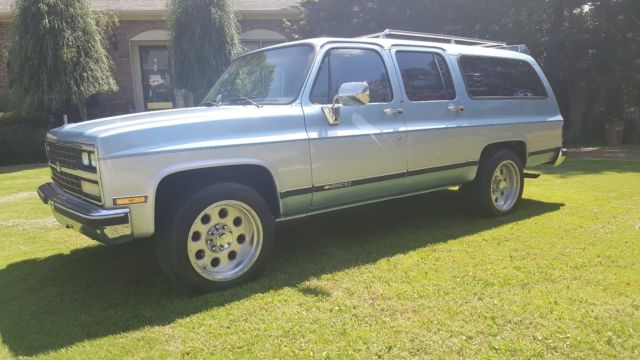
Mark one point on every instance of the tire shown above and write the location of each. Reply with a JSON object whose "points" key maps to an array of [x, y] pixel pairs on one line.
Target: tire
{"points": [[220, 237], [497, 189]]}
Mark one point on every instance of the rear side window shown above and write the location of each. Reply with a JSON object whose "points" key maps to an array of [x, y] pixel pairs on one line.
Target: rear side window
{"points": [[340, 66], [426, 76], [489, 77]]}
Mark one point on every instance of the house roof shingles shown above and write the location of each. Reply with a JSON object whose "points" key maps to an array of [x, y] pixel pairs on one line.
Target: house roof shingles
{"points": [[160, 5]]}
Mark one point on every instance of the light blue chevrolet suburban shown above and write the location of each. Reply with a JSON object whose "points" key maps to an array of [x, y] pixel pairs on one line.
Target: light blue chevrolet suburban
{"points": [[302, 128]]}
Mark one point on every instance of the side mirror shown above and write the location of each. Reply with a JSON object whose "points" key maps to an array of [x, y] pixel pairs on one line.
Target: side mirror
{"points": [[354, 94], [349, 94]]}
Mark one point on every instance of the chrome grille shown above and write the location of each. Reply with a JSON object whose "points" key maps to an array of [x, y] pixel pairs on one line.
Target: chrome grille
{"points": [[67, 170], [66, 156]]}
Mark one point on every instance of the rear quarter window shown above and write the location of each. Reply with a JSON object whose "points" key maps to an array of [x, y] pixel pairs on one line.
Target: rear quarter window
{"points": [[501, 78]]}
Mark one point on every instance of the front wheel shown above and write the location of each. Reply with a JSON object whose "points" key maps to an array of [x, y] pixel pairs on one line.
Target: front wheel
{"points": [[499, 184], [220, 237]]}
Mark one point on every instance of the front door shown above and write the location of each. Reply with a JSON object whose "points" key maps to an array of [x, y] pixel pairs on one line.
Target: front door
{"points": [[157, 91], [364, 156]]}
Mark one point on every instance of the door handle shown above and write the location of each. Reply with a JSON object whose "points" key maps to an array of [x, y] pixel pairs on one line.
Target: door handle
{"points": [[395, 112], [456, 108]]}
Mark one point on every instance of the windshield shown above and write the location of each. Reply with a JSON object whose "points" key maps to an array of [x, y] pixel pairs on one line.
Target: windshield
{"points": [[267, 77]]}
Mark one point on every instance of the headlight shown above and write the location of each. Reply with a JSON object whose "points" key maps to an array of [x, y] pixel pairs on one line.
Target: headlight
{"points": [[85, 159], [89, 159]]}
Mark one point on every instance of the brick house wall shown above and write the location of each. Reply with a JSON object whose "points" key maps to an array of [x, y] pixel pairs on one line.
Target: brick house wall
{"points": [[121, 101]]}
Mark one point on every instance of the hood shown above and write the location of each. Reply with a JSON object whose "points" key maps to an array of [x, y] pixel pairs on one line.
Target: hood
{"points": [[133, 134]]}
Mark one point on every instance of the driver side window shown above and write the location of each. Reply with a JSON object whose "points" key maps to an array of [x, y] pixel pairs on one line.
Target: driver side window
{"points": [[340, 66]]}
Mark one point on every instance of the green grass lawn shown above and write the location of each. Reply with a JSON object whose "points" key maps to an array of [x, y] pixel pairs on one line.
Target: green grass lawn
{"points": [[412, 278]]}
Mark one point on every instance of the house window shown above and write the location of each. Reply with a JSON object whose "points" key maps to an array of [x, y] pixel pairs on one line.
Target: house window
{"points": [[259, 38], [252, 45]]}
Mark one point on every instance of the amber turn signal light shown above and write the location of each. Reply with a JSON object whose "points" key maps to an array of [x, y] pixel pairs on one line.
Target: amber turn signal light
{"points": [[129, 200]]}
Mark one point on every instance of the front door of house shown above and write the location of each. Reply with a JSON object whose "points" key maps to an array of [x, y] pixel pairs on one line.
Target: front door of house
{"points": [[156, 77]]}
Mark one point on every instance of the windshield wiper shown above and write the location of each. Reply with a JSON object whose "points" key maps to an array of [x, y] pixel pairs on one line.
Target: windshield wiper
{"points": [[215, 102], [246, 100], [218, 101]]}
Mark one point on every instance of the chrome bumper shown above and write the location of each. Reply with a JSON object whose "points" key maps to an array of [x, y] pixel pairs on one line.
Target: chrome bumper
{"points": [[108, 226], [559, 157]]}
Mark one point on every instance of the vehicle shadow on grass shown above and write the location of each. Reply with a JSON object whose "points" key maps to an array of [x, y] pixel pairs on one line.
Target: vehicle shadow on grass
{"points": [[51, 303]]}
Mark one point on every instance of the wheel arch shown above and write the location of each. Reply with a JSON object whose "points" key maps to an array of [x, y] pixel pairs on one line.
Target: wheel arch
{"points": [[177, 185], [476, 191], [517, 146]]}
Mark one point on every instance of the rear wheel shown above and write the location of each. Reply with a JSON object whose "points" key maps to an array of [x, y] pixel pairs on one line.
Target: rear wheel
{"points": [[499, 184], [220, 237]]}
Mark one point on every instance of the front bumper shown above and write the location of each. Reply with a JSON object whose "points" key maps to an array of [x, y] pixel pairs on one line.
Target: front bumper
{"points": [[108, 226]]}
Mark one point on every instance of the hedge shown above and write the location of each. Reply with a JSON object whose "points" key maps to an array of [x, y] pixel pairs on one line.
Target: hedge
{"points": [[21, 140]]}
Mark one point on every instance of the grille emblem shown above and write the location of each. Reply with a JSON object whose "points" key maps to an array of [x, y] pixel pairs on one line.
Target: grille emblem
{"points": [[58, 166]]}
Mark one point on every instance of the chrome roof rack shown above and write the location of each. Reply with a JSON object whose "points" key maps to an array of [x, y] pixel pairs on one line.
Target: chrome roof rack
{"points": [[410, 35]]}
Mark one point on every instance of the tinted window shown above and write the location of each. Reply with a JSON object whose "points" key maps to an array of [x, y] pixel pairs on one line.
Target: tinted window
{"points": [[446, 75], [340, 66], [498, 77], [426, 76]]}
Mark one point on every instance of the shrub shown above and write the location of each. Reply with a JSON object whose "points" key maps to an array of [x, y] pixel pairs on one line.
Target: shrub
{"points": [[57, 55], [204, 39], [21, 140]]}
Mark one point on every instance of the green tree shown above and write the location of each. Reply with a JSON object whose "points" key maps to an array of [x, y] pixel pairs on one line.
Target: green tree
{"points": [[57, 56], [204, 39]]}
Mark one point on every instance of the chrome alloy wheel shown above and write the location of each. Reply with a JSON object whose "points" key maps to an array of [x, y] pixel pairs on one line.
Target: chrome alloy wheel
{"points": [[505, 185], [225, 240]]}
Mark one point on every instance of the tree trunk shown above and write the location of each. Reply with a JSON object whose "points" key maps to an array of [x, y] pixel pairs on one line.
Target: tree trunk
{"points": [[82, 109], [592, 113], [576, 115]]}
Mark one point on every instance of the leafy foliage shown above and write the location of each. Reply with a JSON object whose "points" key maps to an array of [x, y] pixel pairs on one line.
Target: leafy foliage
{"points": [[57, 56], [106, 22], [589, 50], [204, 39]]}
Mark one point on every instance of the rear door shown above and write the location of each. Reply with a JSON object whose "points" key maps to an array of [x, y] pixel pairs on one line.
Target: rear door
{"points": [[433, 112]]}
